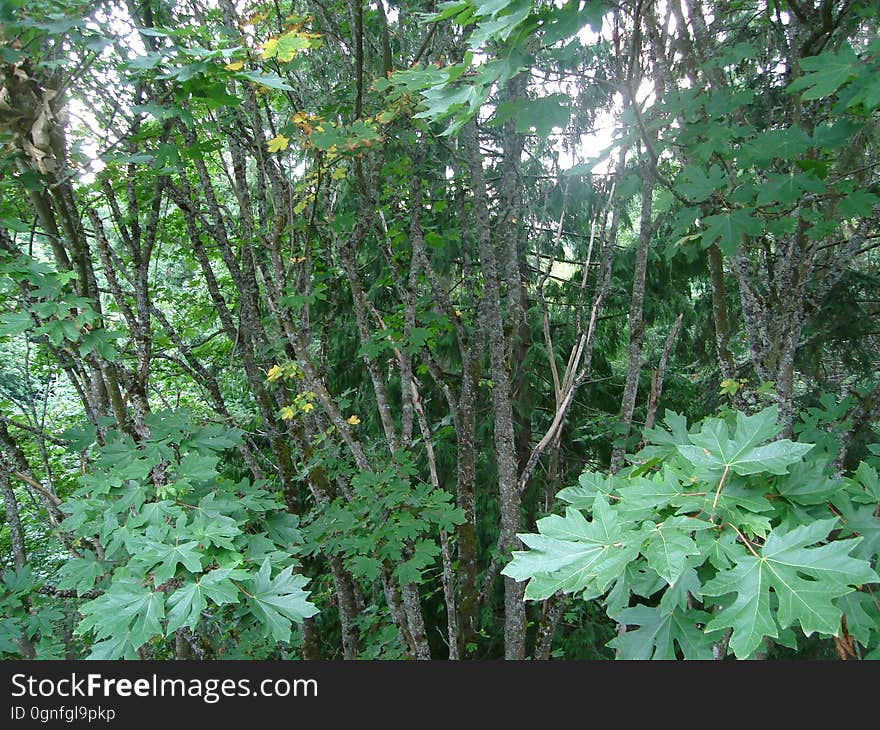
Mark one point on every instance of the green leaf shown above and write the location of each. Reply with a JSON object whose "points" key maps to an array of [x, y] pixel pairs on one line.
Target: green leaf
{"points": [[584, 494], [213, 438], [536, 115], [329, 136], [836, 134], [564, 22], [698, 185], [861, 520], [13, 224], [825, 73], [686, 587], [643, 497], [776, 144], [787, 189], [713, 449], [117, 646], [185, 607], [271, 81], [215, 530], [218, 586], [364, 566], [572, 554], [866, 88], [668, 548], [18, 582], [804, 580], [286, 46], [862, 616], [410, 571], [101, 342], [721, 102], [503, 21], [858, 203], [80, 574], [198, 469], [187, 602], [168, 558], [279, 600], [807, 483], [728, 229], [14, 323], [662, 443], [659, 632], [128, 610], [867, 477]]}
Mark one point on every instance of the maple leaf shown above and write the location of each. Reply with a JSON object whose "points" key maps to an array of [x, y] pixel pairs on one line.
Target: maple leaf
{"points": [[573, 555], [285, 47], [187, 603], [127, 610], [713, 450], [658, 633], [804, 580], [277, 143], [280, 600]]}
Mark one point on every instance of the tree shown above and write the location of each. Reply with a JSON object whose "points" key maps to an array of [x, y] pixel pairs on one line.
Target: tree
{"points": [[310, 311]]}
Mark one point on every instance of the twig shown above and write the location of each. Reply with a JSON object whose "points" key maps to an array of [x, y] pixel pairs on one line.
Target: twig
{"points": [[39, 487]]}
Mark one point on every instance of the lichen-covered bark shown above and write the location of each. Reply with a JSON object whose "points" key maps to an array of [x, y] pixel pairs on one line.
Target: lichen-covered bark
{"points": [[502, 402], [636, 321]]}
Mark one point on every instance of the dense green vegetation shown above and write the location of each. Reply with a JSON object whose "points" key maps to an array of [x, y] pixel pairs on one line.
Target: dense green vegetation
{"points": [[473, 329]]}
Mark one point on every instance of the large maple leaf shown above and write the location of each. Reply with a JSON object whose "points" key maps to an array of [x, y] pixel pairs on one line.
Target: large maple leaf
{"points": [[803, 580]]}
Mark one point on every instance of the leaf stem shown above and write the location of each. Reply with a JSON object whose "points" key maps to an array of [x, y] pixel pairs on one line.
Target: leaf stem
{"points": [[720, 484], [745, 540], [836, 513], [876, 602], [250, 596]]}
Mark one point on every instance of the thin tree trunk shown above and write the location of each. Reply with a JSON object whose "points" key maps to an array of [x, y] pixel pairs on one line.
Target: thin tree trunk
{"points": [[659, 375], [16, 538], [719, 312], [550, 615], [636, 323], [502, 409]]}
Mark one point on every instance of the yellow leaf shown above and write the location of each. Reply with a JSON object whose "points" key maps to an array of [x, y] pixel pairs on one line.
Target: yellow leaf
{"points": [[353, 420], [234, 66], [729, 385], [287, 413], [307, 407], [278, 143], [273, 373], [339, 173], [270, 47]]}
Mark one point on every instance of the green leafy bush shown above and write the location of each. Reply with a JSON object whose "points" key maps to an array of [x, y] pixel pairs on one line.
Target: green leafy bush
{"points": [[719, 538], [166, 542]]}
